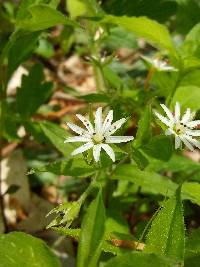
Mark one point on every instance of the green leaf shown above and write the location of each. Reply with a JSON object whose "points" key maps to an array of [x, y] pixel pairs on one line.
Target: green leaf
{"points": [[140, 159], [166, 235], [154, 183], [33, 92], [43, 17], [92, 234], [70, 167], [57, 136], [154, 32], [149, 181], [143, 133], [191, 45], [153, 148], [21, 49], [188, 96], [139, 259], [20, 249]]}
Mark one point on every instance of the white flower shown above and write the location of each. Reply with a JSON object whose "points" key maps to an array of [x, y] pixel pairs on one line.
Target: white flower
{"points": [[181, 127], [159, 65], [99, 136]]}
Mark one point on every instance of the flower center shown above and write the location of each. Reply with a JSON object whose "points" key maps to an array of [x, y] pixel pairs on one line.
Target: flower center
{"points": [[179, 128], [98, 138]]}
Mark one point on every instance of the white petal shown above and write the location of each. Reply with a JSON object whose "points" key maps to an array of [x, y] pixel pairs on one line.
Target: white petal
{"points": [[82, 148], [109, 151], [193, 141], [98, 120], [193, 124], [169, 68], [86, 122], [185, 141], [177, 142], [169, 132], [193, 132], [114, 127], [77, 139], [186, 116], [78, 129], [96, 152], [163, 119], [168, 112], [108, 120], [118, 139], [177, 111]]}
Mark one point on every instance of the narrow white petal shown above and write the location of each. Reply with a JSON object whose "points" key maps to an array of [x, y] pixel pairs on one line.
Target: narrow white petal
{"points": [[177, 142], [96, 152], [193, 132], [193, 124], [177, 111], [82, 148], [169, 132], [77, 129], [109, 151], [77, 139], [108, 120], [86, 122], [168, 112], [98, 120], [187, 143], [186, 116], [118, 139], [163, 119], [193, 141], [168, 68], [114, 127]]}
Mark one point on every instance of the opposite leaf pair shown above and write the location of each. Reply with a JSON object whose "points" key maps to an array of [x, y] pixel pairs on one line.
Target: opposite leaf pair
{"points": [[99, 135]]}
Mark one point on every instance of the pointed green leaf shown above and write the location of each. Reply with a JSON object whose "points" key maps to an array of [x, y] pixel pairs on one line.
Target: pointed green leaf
{"points": [[43, 17], [57, 136], [33, 92], [154, 32], [166, 235], [92, 234], [144, 131], [20, 249]]}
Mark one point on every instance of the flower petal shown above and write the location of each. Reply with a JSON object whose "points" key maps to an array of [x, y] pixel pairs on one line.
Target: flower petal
{"points": [[177, 142], [114, 127], [186, 116], [96, 152], [193, 132], [168, 112], [98, 120], [78, 129], [193, 124], [77, 139], [86, 122], [177, 112], [186, 142], [163, 119], [118, 139], [169, 132], [82, 148], [107, 122], [193, 141], [109, 151]]}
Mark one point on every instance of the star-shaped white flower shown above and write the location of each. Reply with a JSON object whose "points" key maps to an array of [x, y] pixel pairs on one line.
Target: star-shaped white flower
{"points": [[182, 127], [159, 65], [98, 136]]}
